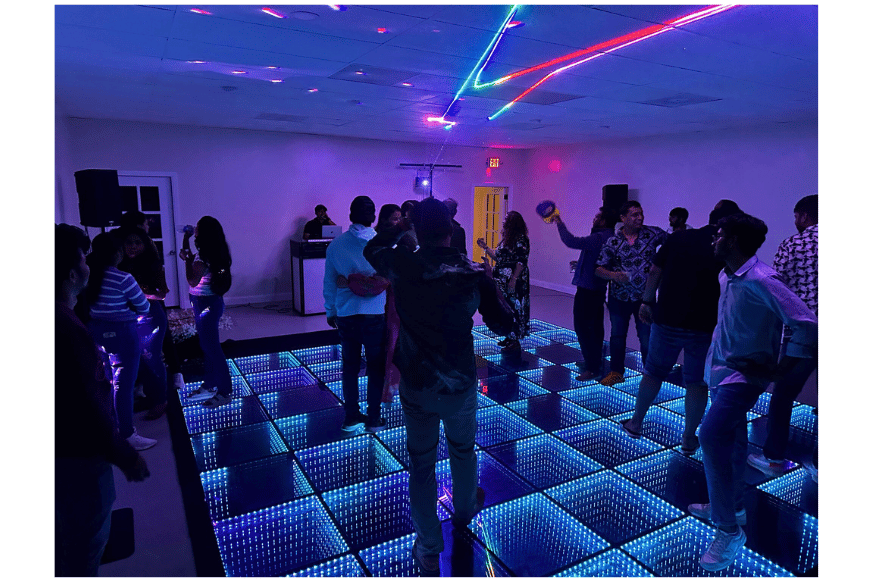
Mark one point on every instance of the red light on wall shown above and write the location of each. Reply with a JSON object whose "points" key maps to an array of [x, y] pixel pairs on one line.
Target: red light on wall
{"points": [[493, 162], [555, 166], [488, 172]]}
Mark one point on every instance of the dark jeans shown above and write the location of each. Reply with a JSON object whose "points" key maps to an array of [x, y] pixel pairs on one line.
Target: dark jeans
{"points": [[620, 313], [121, 348], [84, 494], [422, 413], [367, 331], [207, 313], [152, 329], [724, 439], [785, 391], [588, 323]]}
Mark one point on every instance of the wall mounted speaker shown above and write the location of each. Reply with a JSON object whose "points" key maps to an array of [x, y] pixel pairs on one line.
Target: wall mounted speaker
{"points": [[614, 195], [99, 197]]}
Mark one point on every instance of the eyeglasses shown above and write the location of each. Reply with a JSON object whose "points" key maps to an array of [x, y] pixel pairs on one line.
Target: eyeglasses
{"points": [[717, 236]]}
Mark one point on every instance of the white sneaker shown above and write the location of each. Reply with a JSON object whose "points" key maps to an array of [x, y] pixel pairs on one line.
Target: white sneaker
{"points": [[704, 511], [768, 466], [178, 382], [139, 442], [723, 550], [202, 393]]}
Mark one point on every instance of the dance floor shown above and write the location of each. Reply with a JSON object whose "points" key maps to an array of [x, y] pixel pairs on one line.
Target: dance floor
{"points": [[567, 492]]}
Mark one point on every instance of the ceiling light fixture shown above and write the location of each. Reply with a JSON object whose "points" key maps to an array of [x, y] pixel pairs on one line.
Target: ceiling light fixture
{"points": [[442, 121], [196, 62], [313, 90], [200, 11], [274, 68], [381, 30], [238, 72], [272, 12], [604, 48], [275, 80], [338, 7], [407, 85], [515, 24]]}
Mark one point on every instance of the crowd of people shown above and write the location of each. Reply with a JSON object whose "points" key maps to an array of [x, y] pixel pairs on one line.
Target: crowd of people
{"points": [[404, 293]]}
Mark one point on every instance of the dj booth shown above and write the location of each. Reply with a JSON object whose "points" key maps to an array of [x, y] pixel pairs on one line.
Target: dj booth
{"points": [[307, 274]]}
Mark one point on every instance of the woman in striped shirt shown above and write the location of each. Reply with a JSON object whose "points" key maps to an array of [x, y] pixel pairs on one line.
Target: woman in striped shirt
{"points": [[115, 302]]}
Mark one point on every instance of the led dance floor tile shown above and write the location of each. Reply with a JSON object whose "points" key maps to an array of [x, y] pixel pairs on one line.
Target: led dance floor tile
{"points": [[280, 380], [531, 549], [613, 507], [266, 363], [395, 440], [673, 477], [517, 362], [509, 388], [532, 342], [278, 540], [319, 354], [601, 400], [667, 392], [236, 445], [555, 378], [343, 567], [499, 483], [238, 386], [337, 388], [498, 425], [675, 550], [486, 347], [559, 336], [347, 462], [254, 485], [539, 326], [372, 512], [550, 412], [559, 354], [610, 564], [313, 428], [662, 426], [544, 460], [795, 488], [299, 400], [483, 330], [605, 442], [795, 545], [329, 372], [237, 412]]}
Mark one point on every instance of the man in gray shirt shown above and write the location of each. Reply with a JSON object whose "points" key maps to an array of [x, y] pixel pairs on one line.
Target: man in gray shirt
{"points": [[743, 359]]}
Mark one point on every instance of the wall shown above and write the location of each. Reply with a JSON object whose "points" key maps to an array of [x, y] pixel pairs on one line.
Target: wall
{"points": [[765, 171], [263, 186]]}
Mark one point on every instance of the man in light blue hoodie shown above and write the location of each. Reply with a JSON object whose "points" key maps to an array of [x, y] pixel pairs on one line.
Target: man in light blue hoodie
{"points": [[357, 309]]}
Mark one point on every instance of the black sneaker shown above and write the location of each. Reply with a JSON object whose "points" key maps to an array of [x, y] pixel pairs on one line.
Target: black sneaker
{"points": [[354, 423], [375, 425]]}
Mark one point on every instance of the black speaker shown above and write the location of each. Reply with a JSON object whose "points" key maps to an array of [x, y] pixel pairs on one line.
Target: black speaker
{"points": [[99, 197], [614, 195]]}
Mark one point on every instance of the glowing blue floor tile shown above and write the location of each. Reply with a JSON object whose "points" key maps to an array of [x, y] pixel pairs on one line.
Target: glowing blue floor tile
{"points": [[675, 550], [661, 425], [332, 371], [555, 378], [499, 483], [669, 475], [795, 488], [605, 442], [319, 354], [276, 380], [533, 536], [372, 512], [804, 418], [480, 336], [395, 440], [239, 388], [337, 388], [296, 401], [538, 326], [782, 533], [237, 412], [266, 363], [231, 367], [610, 564], [600, 399], [498, 425], [559, 354], [347, 462], [667, 392], [313, 428], [559, 336], [517, 362], [483, 330], [533, 342], [483, 401], [550, 412], [544, 460], [252, 486], [486, 347], [614, 507], [762, 406], [279, 539], [236, 445], [343, 567], [508, 388]]}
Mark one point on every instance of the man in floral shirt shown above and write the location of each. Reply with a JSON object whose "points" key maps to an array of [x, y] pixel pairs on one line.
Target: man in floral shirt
{"points": [[797, 263], [624, 262]]}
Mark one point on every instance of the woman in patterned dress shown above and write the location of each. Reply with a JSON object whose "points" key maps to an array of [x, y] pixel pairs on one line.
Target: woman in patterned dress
{"points": [[512, 275]]}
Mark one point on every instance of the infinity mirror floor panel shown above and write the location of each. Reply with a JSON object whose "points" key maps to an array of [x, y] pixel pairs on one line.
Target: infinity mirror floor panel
{"points": [[567, 492]]}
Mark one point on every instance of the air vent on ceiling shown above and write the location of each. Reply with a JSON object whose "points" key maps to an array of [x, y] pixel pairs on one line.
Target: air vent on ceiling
{"points": [[281, 117], [372, 75], [680, 100]]}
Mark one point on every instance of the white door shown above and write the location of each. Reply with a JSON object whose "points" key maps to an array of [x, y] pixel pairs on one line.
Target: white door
{"points": [[153, 196]]}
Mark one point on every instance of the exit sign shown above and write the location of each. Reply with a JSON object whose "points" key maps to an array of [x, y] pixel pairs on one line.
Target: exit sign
{"points": [[493, 162]]}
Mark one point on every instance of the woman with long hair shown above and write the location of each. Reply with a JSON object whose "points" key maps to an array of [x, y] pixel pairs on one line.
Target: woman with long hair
{"points": [[115, 301], [390, 215], [512, 275], [208, 275], [141, 260]]}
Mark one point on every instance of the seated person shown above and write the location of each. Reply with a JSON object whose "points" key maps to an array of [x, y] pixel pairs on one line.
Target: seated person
{"points": [[312, 229]]}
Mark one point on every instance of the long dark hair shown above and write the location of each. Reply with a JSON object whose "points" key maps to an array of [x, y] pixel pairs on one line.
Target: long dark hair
{"points": [[212, 245], [514, 228], [145, 267], [104, 249], [385, 214]]}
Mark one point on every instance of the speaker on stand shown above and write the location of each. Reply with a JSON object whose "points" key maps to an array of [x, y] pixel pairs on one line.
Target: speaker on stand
{"points": [[614, 195], [99, 198]]}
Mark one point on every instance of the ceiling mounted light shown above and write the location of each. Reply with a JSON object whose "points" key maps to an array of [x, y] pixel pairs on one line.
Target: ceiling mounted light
{"points": [[273, 68], [273, 13], [275, 80], [381, 30], [515, 24], [313, 90], [196, 62], [338, 7], [238, 72], [407, 85], [200, 11]]}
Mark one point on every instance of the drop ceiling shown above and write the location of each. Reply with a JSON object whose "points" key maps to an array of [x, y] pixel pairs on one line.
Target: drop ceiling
{"points": [[331, 72]]}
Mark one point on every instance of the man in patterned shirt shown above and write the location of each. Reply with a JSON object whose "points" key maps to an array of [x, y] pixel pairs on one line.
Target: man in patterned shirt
{"points": [[797, 263], [624, 262]]}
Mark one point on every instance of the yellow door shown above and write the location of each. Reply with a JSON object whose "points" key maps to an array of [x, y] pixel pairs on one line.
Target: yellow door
{"points": [[490, 210]]}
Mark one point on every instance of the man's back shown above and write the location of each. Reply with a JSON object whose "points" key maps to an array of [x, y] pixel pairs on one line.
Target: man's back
{"points": [[345, 257]]}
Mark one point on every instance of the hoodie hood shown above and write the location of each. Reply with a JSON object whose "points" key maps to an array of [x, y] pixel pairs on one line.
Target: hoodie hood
{"points": [[365, 233]]}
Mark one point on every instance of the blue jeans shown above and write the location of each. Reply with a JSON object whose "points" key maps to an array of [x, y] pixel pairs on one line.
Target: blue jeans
{"points": [[666, 342], [724, 439], [207, 313], [84, 494], [620, 313], [367, 331], [152, 329], [779, 412], [422, 413], [121, 348]]}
